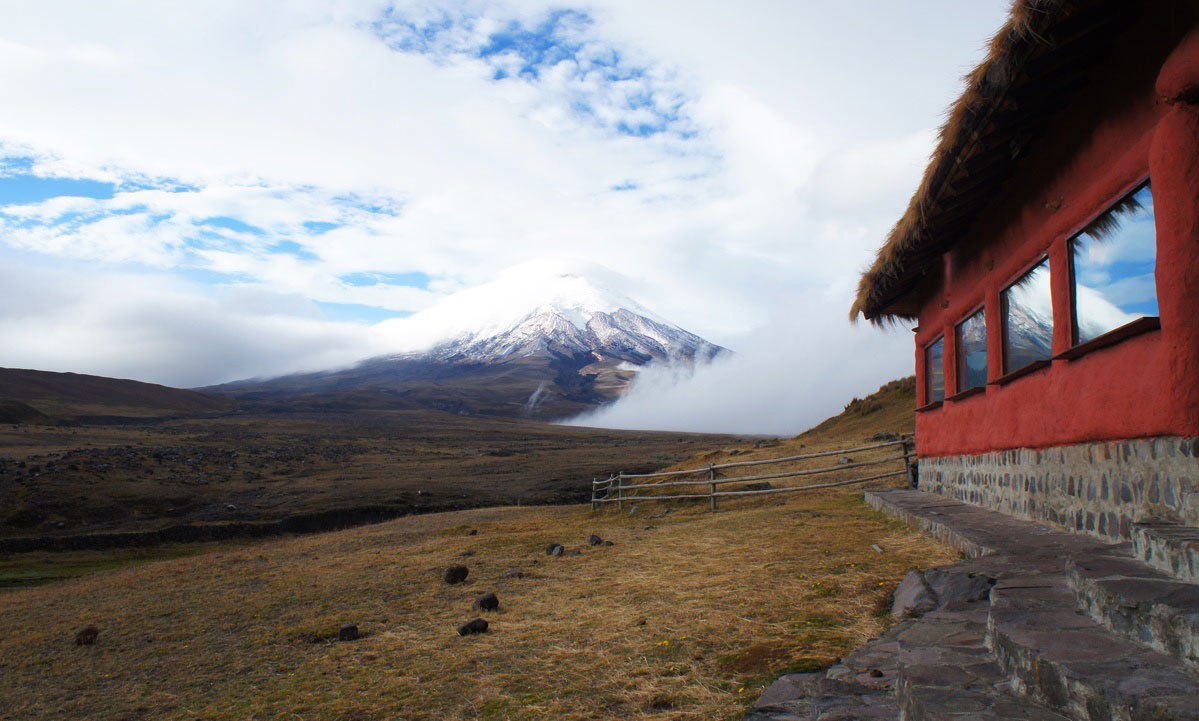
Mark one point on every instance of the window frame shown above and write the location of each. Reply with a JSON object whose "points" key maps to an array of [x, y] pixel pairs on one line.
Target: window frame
{"points": [[1137, 325], [1005, 371]]}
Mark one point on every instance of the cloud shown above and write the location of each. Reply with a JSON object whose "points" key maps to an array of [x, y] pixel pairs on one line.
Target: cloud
{"points": [[732, 160], [796, 370], [148, 327]]}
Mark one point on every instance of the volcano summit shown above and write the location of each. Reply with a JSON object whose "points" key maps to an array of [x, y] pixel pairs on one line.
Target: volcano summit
{"points": [[542, 341]]}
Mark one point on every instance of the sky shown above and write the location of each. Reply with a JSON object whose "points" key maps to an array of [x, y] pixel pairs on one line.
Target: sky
{"points": [[192, 193]]}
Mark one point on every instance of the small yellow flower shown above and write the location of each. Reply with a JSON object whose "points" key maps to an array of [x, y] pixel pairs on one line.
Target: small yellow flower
{"points": [[741, 690]]}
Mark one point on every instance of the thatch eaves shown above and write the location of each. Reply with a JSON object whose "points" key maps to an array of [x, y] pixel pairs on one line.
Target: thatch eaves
{"points": [[1042, 53]]}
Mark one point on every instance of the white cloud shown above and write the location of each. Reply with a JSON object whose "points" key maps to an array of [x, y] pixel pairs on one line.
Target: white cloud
{"points": [[797, 132], [792, 373]]}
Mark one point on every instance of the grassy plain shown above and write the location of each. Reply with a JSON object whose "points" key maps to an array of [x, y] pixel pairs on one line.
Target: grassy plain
{"points": [[246, 468], [687, 616]]}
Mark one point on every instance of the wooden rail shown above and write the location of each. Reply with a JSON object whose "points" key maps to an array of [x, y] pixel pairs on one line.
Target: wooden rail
{"points": [[614, 489]]}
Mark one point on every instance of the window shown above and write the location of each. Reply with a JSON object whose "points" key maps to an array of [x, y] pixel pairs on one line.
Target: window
{"points": [[934, 371], [1027, 319], [1113, 260], [972, 352]]}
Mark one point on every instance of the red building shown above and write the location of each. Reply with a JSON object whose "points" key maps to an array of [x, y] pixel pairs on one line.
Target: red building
{"points": [[1049, 262]]}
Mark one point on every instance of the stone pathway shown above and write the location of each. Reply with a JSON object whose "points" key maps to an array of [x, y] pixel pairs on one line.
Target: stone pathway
{"points": [[1073, 628]]}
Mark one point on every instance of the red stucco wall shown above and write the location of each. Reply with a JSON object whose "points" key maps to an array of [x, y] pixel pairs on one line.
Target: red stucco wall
{"points": [[1146, 385]]}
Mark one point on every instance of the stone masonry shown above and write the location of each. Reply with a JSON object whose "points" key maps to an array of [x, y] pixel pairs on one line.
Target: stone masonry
{"points": [[1101, 489]]}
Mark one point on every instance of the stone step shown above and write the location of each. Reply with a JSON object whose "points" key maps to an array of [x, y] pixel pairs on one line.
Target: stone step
{"points": [[1065, 660], [1139, 603], [946, 672], [1168, 547]]}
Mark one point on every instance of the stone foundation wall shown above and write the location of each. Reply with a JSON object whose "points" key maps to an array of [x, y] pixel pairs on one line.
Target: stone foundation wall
{"points": [[1096, 488]]}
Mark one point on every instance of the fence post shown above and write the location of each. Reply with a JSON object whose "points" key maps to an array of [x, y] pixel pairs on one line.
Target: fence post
{"points": [[712, 477], [907, 462], [620, 490], [594, 504]]}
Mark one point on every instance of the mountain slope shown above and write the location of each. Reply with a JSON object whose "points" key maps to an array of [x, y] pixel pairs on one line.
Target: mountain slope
{"points": [[75, 394], [543, 341]]}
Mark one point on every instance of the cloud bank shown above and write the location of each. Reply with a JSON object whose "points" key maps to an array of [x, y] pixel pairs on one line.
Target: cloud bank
{"points": [[788, 376], [192, 194]]}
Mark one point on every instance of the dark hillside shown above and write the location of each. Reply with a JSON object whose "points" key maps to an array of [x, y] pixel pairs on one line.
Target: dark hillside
{"points": [[18, 412], [75, 394]]}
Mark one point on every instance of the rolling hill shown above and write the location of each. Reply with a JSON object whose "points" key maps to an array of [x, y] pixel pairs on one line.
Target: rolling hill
{"points": [[75, 395]]}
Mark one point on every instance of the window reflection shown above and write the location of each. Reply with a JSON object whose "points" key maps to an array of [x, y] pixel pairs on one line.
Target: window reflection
{"points": [[1028, 319], [972, 352], [1114, 260], [934, 375]]}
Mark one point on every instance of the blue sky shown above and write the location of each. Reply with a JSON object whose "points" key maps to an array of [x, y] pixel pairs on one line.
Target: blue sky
{"points": [[276, 179]]}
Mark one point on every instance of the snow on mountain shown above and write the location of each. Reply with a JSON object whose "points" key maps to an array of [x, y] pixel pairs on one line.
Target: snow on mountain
{"points": [[545, 308], [544, 340]]}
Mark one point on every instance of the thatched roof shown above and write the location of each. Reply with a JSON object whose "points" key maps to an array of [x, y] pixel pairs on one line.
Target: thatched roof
{"points": [[1037, 58]]}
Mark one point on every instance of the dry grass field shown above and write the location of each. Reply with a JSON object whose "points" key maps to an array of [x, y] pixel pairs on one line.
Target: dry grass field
{"points": [[99, 478], [688, 615]]}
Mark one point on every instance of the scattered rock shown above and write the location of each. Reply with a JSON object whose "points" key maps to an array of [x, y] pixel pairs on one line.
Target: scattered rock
{"points": [[913, 598], [920, 593], [555, 549], [476, 626], [230, 507], [487, 602], [348, 632], [595, 540], [455, 574], [640, 622], [844, 460], [609, 543], [634, 510], [576, 552], [760, 486], [877, 548], [957, 587], [87, 636], [514, 573], [883, 436], [473, 532], [467, 553]]}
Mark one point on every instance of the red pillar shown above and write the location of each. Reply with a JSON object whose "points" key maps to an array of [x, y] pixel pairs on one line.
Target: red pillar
{"points": [[1174, 170]]}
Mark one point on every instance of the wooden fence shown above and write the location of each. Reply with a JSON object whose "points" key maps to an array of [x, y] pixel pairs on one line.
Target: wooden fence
{"points": [[616, 489]]}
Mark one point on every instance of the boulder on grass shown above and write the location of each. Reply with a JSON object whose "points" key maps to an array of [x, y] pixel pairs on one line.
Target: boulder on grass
{"points": [[348, 632], [87, 636], [476, 626], [555, 549], [487, 602], [455, 574]]}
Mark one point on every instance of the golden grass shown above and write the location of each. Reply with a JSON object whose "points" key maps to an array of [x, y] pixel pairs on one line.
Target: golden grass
{"points": [[687, 616]]}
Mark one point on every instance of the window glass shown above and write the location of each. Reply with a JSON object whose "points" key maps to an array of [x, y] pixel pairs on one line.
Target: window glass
{"points": [[1114, 259], [934, 371], [972, 352], [1028, 319]]}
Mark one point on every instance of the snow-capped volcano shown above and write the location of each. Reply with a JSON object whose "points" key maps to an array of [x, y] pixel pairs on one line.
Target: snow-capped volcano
{"points": [[544, 340], [543, 308]]}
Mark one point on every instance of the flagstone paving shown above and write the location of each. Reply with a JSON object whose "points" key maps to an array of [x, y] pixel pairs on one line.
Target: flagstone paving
{"points": [[1072, 628]]}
